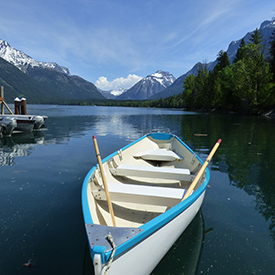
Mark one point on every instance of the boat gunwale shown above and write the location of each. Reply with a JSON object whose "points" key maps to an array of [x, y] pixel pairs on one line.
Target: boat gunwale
{"points": [[158, 222]]}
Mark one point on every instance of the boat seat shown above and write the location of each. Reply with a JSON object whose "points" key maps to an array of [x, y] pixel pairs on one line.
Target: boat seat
{"points": [[152, 172], [153, 195], [160, 154]]}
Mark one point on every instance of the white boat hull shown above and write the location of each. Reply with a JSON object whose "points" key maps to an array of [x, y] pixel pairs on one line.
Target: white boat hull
{"points": [[144, 257], [148, 184]]}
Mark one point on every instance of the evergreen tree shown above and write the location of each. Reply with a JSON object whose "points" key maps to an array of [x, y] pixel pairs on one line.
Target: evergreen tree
{"points": [[256, 37], [244, 86], [241, 52], [254, 79], [201, 85], [225, 98], [188, 93], [223, 61], [272, 56]]}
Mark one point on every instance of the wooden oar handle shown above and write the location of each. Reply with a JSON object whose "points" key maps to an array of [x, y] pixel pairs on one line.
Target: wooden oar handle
{"points": [[104, 182], [198, 176]]}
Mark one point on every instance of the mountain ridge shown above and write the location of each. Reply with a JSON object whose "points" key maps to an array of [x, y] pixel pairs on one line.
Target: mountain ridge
{"points": [[41, 82], [22, 61], [148, 86], [266, 28]]}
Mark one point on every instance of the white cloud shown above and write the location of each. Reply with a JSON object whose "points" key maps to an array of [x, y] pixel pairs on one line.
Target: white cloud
{"points": [[104, 84]]}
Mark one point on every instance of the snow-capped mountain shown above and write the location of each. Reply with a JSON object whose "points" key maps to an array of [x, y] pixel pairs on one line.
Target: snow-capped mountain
{"points": [[266, 28], [41, 82], [148, 86], [22, 61]]}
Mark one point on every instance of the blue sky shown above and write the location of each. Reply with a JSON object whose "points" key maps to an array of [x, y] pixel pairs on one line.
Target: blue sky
{"points": [[113, 43]]}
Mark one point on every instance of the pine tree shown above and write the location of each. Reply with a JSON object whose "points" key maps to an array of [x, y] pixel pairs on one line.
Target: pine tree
{"points": [[223, 61], [256, 37], [241, 52], [272, 56], [201, 84], [188, 94]]}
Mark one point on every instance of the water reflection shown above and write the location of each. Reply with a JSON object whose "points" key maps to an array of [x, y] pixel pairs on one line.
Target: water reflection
{"points": [[246, 154], [55, 161], [129, 127], [69, 122], [134, 126], [184, 255], [18, 145]]}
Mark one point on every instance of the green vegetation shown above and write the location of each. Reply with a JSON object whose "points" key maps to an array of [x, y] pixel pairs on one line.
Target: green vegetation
{"points": [[175, 101], [245, 86]]}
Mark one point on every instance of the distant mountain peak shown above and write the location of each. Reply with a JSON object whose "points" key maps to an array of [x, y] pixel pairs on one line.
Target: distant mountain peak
{"points": [[267, 24], [4, 44], [164, 78], [22, 61], [148, 86]]}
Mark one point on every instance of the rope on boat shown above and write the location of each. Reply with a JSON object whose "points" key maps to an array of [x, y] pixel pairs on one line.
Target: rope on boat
{"points": [[111, 241]]}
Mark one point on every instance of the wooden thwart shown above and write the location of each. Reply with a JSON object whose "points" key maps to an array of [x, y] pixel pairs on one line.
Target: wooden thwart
{"points": [[152, 172], [159, 154], [133, 193]]}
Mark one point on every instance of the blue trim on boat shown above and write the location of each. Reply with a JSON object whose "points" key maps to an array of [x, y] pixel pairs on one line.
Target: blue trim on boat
{"points": [[158, 222], [161, 136], [85, 205], [161, 220]]}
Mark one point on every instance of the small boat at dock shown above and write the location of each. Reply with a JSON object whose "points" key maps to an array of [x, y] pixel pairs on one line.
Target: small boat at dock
{"points": [[18, 121], [22, 123], [138, 201], [7, 125]]}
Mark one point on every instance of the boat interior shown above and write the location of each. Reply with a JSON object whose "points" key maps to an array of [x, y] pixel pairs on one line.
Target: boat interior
{"points": [[144, 180]]}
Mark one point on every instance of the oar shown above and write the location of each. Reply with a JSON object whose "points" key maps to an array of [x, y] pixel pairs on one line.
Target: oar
{"points": [[104, 182], [195, 181]]}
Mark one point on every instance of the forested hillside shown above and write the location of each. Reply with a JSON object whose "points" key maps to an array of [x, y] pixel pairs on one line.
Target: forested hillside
{"points": [[247, 85]]}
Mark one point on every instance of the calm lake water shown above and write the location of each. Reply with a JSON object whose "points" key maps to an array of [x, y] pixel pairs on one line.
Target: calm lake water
{"points": [[42, 175]]}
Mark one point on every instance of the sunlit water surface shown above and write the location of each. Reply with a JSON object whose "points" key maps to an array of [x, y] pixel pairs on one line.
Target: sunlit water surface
{"points": [[42, 175]]}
